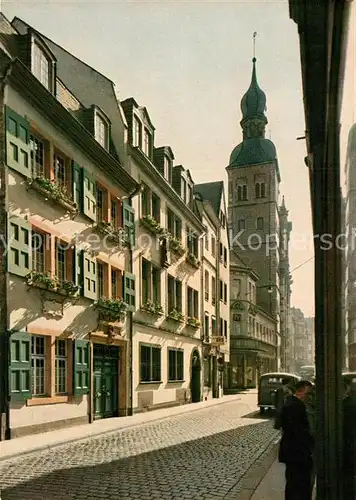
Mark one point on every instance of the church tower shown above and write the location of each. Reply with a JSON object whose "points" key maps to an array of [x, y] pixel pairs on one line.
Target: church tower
{"points": [[253, 210]]}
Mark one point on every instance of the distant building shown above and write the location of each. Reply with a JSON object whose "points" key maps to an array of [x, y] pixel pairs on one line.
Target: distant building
{"points": [[254, 336], [259, 226], [301, 346]]}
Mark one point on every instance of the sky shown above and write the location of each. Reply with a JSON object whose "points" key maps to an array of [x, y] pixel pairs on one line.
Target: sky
{"points": [[190, 63]]}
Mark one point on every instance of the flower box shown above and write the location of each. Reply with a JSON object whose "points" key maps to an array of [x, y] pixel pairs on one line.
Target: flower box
{"points": [[68, 288], [51, 190], [112, 310], [193, 322], [153, 308], [175, 315], [192, 260], [152, 225], [105, 229], [41, 280], [175, 245]]}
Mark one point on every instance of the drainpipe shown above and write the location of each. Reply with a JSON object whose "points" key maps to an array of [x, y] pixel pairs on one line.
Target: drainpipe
{"points": [[202, 301], [131, 196], [4, 326], [217, 305]]}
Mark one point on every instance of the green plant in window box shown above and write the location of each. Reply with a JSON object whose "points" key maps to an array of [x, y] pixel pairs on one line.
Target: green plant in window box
{"points": [[53, 191], [41, 280], [175, 245], [153, 308], [152, 225], [193, 322], [193, 260], [68, 288], [115, 235], [176, 316], [111, 310]]}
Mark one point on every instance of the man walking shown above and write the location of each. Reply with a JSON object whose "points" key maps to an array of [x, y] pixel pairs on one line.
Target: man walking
{"points": [[297, 443]]}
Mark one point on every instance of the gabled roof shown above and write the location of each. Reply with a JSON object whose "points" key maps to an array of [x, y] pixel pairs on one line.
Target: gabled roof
{"points": [[87, 85], [211, 191]]}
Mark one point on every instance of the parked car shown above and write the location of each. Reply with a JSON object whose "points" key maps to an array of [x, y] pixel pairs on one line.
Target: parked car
{"points": [[268, 386]]}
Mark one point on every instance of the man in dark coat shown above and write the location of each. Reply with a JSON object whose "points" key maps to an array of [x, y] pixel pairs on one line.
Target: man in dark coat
{"points": [[349, 430], [297, 444], [281, 395]]}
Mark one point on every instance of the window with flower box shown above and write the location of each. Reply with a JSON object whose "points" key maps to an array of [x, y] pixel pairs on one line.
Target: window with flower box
{"points": [[116, 284], [64, 261], [174, 290], [103, 285], [151, 283], [150, 204], [39, 152], [41, 251], [101, 204], [174, 224], [192, 243], [192, 303]]}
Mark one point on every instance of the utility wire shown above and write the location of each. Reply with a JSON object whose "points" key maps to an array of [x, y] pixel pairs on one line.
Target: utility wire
{"points": [[302, 264]]}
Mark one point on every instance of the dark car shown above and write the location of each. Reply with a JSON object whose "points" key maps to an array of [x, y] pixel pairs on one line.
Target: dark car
{"points": [[268, 386]]}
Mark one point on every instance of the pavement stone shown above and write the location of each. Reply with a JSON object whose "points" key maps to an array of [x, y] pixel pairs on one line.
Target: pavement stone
{"points": [[203, 454]]}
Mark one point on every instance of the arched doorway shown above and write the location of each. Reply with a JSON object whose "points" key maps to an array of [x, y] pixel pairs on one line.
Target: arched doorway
{"points": [[195, 380]]}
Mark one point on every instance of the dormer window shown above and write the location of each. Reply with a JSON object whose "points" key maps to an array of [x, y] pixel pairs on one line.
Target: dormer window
{"points": [[137, 133], [147, 143], [168, 169], [42, 66], [101, 130]]}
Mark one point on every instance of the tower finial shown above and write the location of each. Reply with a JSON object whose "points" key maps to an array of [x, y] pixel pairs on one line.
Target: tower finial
{"points": [[254, 46]]}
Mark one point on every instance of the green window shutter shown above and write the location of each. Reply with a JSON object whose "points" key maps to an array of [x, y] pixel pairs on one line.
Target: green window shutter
{"points": [[20, 366], [19, 256], [81, 367], [89, 195], [18, 148], [89, 273], [129, 290], [128, 217], [77, 185]]}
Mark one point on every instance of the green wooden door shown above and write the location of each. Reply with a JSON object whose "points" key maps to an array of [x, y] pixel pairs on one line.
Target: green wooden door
{"points": [[106, 364]]}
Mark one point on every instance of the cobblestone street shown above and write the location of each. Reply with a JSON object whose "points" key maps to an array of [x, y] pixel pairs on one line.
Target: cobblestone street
{"points": [[197, 455]]}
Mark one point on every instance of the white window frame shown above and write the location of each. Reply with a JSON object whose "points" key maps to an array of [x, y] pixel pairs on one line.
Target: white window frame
{"points": [[101, 130], [36, 357], [58, 359], [41, 64]]}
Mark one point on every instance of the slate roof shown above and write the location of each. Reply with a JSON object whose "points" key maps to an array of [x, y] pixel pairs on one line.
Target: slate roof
{"points": [[87, 85], [212, 192]]}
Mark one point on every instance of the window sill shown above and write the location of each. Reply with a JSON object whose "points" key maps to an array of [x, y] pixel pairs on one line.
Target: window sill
{"points": [[38, 401], [156, 382], [175, 381]]}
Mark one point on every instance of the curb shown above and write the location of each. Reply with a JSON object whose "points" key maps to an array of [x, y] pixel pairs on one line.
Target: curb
{"points": [[251, 480], [44, 447]]}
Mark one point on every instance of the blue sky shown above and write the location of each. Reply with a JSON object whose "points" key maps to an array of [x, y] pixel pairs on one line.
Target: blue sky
{"points": [[189, 63]]}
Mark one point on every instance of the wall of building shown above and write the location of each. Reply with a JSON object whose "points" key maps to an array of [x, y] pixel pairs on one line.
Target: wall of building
{"points": [[29, 309]]}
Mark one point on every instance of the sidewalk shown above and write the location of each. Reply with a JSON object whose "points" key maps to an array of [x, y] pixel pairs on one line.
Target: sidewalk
{"points": [[272, 485], [36, 442]]}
